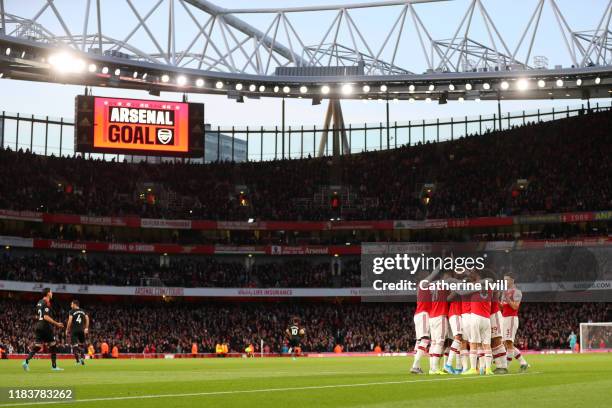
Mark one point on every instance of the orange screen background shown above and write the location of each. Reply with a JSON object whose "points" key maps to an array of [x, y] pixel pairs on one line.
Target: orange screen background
{"points": [[180, 128]]}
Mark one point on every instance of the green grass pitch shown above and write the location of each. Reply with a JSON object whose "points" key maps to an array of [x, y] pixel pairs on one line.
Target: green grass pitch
{"points": [[552, 381]]}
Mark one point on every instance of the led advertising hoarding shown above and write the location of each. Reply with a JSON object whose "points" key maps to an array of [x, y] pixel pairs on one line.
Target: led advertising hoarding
{"points": [[142, 127]]}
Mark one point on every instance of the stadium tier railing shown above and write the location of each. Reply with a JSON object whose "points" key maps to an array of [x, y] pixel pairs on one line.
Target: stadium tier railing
{"points": [[47, 135], [263, 249], [264, 225]]}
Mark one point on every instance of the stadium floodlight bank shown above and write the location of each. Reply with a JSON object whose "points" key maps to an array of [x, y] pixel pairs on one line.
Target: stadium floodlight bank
{"points": [[463, 66]]}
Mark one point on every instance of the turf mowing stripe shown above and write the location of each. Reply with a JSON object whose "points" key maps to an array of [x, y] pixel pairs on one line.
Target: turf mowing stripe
{"points": [[312, 387]]}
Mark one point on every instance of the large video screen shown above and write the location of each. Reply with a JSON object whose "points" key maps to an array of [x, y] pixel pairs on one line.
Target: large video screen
{"points": [[143, 127]]}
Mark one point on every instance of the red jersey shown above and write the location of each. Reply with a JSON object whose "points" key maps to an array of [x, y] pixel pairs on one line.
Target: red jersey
{"points": [[423, 301], [494, 307], [465, 304], [439, 303], [514, 295], [481, 303], [455, 308]]}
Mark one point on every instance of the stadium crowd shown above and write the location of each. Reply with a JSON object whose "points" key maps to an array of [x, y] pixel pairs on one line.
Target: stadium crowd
{"points": [[86, 233], [564, 164], [556, 264], [59, 267], [169, 327]]}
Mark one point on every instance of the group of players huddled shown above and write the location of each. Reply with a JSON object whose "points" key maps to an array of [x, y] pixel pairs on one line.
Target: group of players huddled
{"points": [[469, 330], [77, 328]]}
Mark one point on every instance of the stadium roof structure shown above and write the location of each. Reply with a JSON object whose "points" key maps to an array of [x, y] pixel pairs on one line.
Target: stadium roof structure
{"points": [[195, 46]]}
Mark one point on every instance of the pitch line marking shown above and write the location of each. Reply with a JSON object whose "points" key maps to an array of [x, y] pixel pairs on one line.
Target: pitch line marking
{"points": [[263, 390]]}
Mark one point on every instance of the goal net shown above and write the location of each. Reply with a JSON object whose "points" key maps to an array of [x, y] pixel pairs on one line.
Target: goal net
{"points": [[595, 336]]}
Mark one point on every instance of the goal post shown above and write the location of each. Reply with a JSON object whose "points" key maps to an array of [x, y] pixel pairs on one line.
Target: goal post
{"points": [[595, 336]]}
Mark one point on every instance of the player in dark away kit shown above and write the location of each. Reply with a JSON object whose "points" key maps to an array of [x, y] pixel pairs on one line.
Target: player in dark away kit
{"points": [[43, 331], [295, 333], [77, 328]]}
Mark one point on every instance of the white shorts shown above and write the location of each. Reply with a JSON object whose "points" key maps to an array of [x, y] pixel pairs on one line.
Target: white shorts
{"points": [[455, 325], [510, 325], [480, 329], [421, 325], [438, 328], [496, 324], [466, 326]]}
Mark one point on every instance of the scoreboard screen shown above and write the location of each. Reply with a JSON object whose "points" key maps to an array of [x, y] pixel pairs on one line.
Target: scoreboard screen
{"points": [[143, 127]]}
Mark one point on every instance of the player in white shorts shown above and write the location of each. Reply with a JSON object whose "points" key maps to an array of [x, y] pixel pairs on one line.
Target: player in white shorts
{"points": [[466, 331], [421, 328], [511, 302], [480, 328], [456, 336], [497, 345], [421, 322], [438, 329]]}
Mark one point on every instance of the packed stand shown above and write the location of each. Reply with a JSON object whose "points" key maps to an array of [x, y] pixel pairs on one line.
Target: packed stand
{"points": [[565, 164], [184, 272], [358, 327]]}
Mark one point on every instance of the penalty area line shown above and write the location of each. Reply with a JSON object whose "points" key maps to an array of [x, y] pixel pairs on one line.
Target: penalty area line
{"points": [[264, 390]]}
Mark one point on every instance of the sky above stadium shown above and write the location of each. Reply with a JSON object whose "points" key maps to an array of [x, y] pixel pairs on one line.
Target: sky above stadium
{"points": [[58, 100]]}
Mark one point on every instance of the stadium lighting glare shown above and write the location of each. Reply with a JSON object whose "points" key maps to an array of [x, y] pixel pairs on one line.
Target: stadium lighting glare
{"points": [[366, 88], [325, 89], [468, 87], [117, 72], [252, 88], [451, 87], [65, 63], [181, 80], [522, 84], [105, 70], [347, 89], [92, 68], [238, 86], [559, 82], [262, 88], [541, 83], [383, 88], [597, 80], [276, 89], [165, 78], [504, 85], [486, 86], [199, 82], [286, 89], [411, 88], [578, 82], [303, 89], [432, 87], [219, 85]]}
